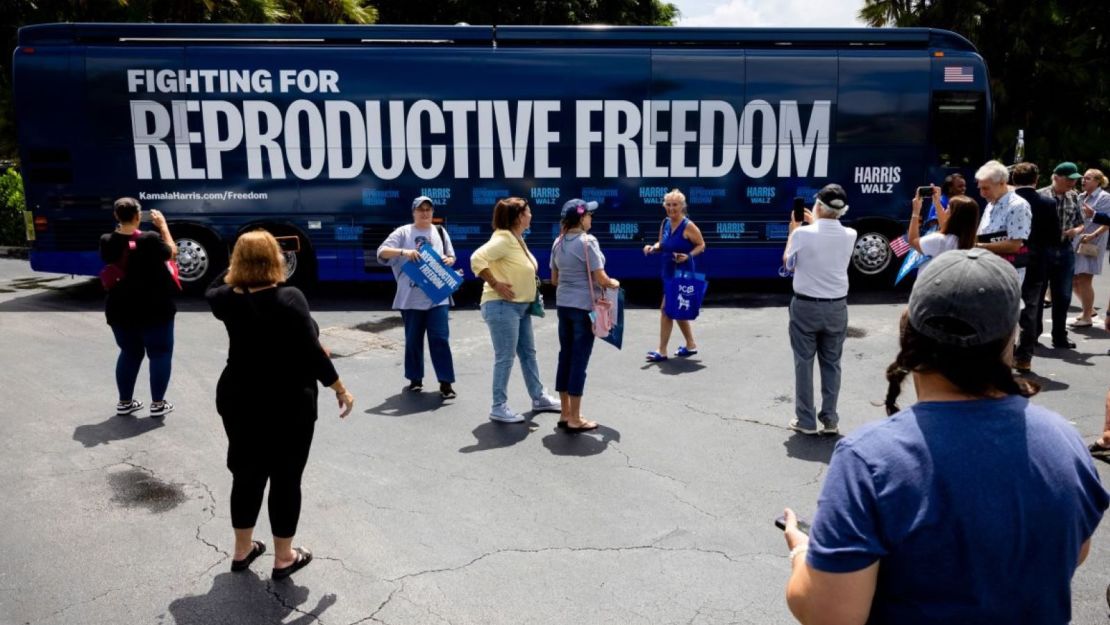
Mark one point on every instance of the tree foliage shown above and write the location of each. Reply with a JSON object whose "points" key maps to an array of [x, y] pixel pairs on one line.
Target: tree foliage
{"points": [[19, 12], [12, 205], [545, 12], [1048, 64]]}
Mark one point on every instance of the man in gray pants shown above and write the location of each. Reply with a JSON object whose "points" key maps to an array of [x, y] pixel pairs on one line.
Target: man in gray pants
{"points": [[819, 254]]}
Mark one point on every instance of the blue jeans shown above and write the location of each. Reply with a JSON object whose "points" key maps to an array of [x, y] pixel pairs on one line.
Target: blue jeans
{"points": [[433, 322], [154, 341], [1060, 271], [576, 343], [510, 328]]}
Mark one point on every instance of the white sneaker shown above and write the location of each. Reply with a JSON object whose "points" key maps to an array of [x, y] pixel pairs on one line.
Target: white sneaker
{"points": [[160, 408], [829, 430], [125, 408], [798, 428], [546, 403], [504, 414]]}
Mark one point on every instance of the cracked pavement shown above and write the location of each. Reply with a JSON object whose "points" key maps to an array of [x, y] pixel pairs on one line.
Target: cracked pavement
{"points": [[421, 512]]}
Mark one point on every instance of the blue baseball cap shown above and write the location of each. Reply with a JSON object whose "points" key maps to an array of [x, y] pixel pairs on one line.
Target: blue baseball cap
{"points": [[420, 200], [577, 206]]}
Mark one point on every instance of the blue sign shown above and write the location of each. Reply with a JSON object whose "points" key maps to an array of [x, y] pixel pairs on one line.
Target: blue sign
{"points": [[437, 280]]}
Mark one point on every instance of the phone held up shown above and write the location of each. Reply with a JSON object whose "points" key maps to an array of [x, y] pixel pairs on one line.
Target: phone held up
{"points": [[799, 209], [803, 526], [290, 243], [925, 192]]}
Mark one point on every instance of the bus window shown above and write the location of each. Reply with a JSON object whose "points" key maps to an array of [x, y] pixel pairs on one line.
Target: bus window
{"points": [[958, 123], [883, 100]]}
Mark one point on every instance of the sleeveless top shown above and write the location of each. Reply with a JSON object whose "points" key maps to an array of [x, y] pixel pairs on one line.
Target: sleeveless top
{"points": [[674, 243]]}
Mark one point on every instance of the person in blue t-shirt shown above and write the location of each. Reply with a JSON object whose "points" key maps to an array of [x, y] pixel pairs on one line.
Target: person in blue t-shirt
{"points": [[971, 506]]}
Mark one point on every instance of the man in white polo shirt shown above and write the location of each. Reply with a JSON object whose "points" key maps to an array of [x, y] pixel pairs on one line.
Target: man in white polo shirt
{"points": [[819, 254]]}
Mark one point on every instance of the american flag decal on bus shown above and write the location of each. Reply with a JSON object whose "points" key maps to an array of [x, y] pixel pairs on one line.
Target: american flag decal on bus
{"points": [[958, 73]]}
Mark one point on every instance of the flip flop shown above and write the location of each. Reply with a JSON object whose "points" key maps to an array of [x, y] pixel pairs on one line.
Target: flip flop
{"points": [[585, 428], [685, 353], [655, 357], [258, 548], [304, 556]]}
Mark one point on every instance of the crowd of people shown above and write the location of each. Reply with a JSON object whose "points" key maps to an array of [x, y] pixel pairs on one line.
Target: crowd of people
{"points": [[898, 536]]}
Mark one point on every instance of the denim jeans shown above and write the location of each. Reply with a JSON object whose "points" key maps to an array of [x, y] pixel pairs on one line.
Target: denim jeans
{"points": [[510, 328], [154, 341], [576, 343], [433, 322], [817, 329], [1060, 271]]}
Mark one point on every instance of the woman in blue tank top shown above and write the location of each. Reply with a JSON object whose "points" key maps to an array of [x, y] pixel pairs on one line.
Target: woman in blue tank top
{"points": [[679, 242]]}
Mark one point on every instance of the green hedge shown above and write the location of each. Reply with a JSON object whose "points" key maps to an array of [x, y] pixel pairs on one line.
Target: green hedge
{"points": [[12, 204]]}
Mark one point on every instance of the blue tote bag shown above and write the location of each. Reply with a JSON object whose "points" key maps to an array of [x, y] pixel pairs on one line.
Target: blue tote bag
{"points": [[683, 295]]}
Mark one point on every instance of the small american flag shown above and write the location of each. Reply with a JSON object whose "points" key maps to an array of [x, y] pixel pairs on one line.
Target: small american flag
{"points": [[958, 73], [900, 246]]}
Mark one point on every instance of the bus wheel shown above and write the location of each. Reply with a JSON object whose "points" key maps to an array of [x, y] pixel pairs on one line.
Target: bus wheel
{"points": [[872, 258], [200, 257], [300, 267]]}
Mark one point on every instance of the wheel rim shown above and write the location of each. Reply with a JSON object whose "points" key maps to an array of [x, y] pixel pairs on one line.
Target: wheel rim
{"points": [[192, 260], [290, 264], [872, 254]]}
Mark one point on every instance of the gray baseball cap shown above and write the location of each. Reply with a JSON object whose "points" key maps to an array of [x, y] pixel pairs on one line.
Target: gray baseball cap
{"points": [[966, 298], [420, 200]]}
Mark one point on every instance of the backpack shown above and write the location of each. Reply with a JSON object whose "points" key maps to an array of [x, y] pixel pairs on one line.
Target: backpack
{"points": [[112, 273]]}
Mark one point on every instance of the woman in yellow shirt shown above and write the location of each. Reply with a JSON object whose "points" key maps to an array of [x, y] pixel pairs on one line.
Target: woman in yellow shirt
{"points": [[509, 271]]}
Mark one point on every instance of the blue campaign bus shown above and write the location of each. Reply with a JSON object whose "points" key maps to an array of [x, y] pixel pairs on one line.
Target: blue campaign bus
{"points": [[328, 132]]}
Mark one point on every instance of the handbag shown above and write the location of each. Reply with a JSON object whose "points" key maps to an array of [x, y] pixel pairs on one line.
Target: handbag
{"points": [[112, 273], [1089, 250], [602, 308], [536, 307]]}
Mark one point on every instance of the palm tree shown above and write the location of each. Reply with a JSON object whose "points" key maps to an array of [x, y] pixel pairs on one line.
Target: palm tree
{"points": [[880, 13]]}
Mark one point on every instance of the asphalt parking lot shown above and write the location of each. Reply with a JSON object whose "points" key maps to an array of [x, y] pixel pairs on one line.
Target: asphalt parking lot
{"points": [[423, 512]]}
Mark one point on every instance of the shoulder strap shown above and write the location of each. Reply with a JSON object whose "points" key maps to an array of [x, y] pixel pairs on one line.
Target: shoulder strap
{"points": [[589, 270], [524, 249], [442, 238]]}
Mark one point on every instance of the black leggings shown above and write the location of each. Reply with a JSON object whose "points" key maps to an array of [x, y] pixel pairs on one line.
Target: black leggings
{"points": [[279, 458]]}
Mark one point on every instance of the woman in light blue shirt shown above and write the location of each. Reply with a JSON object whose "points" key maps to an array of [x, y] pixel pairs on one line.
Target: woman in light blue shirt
{"points": [[578, 270]]}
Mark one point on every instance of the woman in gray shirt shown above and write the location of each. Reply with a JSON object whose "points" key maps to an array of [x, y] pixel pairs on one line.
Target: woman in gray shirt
{"points": [[576, 261], [421, 315]]}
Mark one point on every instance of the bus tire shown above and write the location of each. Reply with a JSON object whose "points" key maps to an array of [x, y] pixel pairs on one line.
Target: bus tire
{"points": [[300, 267], [201, 256], [874, 264]]}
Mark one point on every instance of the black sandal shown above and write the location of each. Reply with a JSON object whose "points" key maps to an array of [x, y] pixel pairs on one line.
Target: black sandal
{"points": [[304, 556], [257, 549]]}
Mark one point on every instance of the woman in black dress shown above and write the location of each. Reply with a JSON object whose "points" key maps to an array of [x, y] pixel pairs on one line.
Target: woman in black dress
{"points": [[267, 395]]}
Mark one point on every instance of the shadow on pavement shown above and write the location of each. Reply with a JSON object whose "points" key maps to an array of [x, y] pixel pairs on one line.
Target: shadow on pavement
{"points": [[675, 366], [408, 403], [114, 428], [495, 435], [247, 599], [811, 448], [1046, 384], [591, 443]]}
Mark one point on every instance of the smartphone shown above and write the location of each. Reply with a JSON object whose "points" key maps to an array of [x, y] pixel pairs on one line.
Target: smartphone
{"points": [[145, 217], [924, 192], [290, 243], [799, 209], [802, 525]]}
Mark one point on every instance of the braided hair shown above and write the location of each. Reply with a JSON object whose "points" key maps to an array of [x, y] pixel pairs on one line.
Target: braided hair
{"points": [[976, 370]]}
